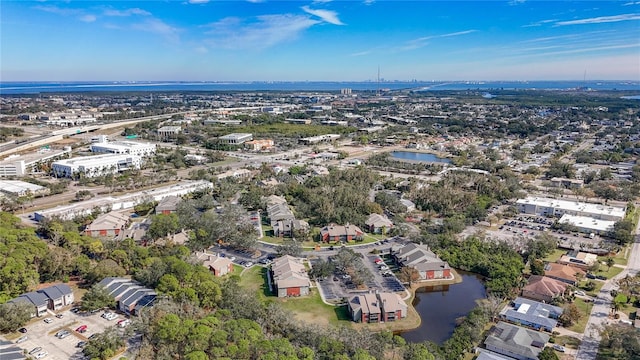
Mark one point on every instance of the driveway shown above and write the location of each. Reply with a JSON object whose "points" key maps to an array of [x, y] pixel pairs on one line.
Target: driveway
{"points": [[41, 334]]}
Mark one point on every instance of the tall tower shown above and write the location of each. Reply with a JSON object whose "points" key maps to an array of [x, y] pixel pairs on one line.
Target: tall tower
{"points": [[378, 82]]}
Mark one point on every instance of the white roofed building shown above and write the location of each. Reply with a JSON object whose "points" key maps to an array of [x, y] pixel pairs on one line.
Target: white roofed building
{"points": [[92, 166], [124, 147], [555, 207], [587, 224], [235, 138]]}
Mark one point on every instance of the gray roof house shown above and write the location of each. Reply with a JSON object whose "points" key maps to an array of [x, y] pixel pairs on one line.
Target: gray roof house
{"points": [[515, 341], [532, 314], [419, 257], [53, 297], [9, 351], [130, 296], [378, 224], [168, 205]]}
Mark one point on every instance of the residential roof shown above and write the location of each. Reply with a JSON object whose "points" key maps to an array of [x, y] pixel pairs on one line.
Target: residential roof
{"points": [[214, 262], [108, 221], [367, 302], [168, 203], [392, 302], [517, 340], [545, 286], [490, 355], [562, 271], [289, 271], [36, 298], [138, 295], [378, 221], [52, 292], [420, 257], [341, 230], [533, 312]]}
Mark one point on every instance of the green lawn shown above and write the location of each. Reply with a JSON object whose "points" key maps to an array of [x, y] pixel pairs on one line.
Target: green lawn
{"points": [[619, 258], [555, 255], [255, 281], [568, 341], [312, 310], [585, 310], [595, 291], [606, 353], [609, 273]]}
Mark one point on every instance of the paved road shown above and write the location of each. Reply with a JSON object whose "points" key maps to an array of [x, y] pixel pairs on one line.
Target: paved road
{"points": [[599, 314]]}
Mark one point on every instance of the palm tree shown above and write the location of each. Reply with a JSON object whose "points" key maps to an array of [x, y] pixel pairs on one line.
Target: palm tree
{"points": [[610, 262]]}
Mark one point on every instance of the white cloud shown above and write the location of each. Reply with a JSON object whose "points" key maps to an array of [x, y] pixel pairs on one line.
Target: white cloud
{"points": [[88, 18], [516, 2], [198, 1], [631, 3], [423, 41], [262, 32], [201, 50], [540, 23], [256, 1], [600, 19], [127, 12], [326, 15], [157, 26], [79, 13], [368, 2], [362, 53]]}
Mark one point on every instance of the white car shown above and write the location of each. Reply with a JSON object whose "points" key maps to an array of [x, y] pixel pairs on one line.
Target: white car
{"points": [[111, 316], [559, 348], [580, 292], [48, 320], [41, 354], [22, 339]]}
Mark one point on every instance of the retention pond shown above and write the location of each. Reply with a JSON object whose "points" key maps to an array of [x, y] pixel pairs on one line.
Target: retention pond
{"points": [[440, 308]]}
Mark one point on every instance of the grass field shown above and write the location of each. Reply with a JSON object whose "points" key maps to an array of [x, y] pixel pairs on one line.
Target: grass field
{"points": [[555, 255], [568, 341], [585, 310], [609, 273]]}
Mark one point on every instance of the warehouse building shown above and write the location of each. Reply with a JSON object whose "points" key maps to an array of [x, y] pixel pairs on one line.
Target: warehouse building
{"points": [[126, 201], [103, 146], [92, 166], [557, 208]]}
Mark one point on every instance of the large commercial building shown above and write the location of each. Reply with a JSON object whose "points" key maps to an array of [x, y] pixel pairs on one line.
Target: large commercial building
{"points": [[587, 224], [92, 166], [235, 138], [126, 201], [21, 165], [123, 147], [554, 207], [21, 188]]}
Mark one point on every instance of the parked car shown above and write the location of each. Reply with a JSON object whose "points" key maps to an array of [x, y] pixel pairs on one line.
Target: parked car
{"points": [[81, 329], [23, 330], [41, 354], [580, 292], [559, 348], [81, 344], [48, 320], [22, 339], [35, 350], [248, 264], [124, 322], [59, 316], [64, 335], [601, 277], [590, 276]]}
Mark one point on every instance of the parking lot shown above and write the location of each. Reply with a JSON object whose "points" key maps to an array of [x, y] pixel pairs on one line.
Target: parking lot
{"points": [[336, 287], [42, 334]]}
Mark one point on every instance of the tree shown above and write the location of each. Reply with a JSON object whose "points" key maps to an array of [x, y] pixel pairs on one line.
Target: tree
{"points": [[14, 315], [622, 340], [289, 247], [409, 275], [548, 354], [105, 345], [163, 225], [97, 298], [537, 267], [570, 315], [610, 262]]}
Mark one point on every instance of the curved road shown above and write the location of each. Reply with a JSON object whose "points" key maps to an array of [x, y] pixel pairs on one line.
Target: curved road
{"points": [[602, 306]]}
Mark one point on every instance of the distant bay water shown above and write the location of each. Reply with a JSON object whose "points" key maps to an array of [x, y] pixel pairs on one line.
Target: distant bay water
{"points": [[8, 88]]}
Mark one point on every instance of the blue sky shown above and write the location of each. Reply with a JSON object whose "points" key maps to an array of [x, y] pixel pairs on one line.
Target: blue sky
{"points": [[322, 40]]}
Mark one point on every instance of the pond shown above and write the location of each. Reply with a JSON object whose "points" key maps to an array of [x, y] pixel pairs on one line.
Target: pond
{"points": [[417, 156], [440, 307]]}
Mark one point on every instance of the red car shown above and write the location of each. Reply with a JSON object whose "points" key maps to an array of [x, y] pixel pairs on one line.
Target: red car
{"points": [[82, 329]]}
